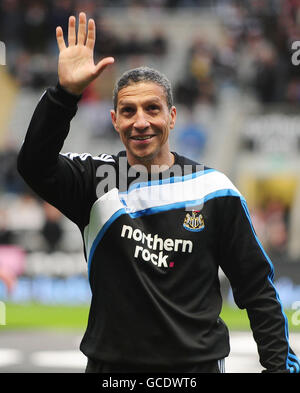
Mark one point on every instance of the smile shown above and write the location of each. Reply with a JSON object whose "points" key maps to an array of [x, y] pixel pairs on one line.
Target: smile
{"points": [[142, 138]]}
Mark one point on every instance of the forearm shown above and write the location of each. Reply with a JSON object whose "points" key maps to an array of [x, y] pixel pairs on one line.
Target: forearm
{"points": [[46, 133], [65, 183], [270, 331]]}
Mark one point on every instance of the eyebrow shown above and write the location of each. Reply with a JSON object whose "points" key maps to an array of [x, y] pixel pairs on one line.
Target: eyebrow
{"points": [[149, 100]]}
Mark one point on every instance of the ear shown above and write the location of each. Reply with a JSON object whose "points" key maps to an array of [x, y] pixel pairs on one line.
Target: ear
{"points": [[114, 119], [173, 114]]}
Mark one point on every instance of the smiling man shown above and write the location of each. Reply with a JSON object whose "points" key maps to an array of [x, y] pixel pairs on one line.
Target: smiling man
{"points": [[153, 247], [143, 116]]}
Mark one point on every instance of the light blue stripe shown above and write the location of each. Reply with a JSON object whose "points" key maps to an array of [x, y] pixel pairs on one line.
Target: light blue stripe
{"points": [[294, 357], [293, 367], [270, 278], [295, 362], [184, 204], [245, 207], [155, 210], [169, 180]]}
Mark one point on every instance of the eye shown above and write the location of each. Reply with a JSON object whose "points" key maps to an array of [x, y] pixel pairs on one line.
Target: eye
{"points": [[127, 110], [153, 108]]}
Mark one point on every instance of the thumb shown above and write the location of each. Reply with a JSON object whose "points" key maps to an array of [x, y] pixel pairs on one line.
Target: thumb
{"points": [[102, 64]]}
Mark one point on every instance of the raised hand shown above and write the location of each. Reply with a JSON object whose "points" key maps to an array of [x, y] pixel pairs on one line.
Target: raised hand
{"points": [[76, 67]]}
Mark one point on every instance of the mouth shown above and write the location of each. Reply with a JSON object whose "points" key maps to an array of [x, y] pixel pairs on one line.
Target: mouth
{"points": [[141, 137]]}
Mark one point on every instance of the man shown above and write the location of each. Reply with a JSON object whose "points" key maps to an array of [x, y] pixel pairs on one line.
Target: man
{"points": [[153, 247]]}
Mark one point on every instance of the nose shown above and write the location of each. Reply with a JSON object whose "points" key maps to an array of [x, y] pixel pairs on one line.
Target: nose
{"points": [[141, 122]]}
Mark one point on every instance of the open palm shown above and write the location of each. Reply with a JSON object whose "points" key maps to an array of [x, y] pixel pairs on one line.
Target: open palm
{"points": [[76, 67]]}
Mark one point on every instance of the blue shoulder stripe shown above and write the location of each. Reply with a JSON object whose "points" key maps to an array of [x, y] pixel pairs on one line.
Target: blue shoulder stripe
{"points": [[168, 180]]}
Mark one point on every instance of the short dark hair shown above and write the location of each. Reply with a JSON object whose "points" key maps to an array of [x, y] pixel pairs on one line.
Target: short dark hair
{"points": [[143, 74]]}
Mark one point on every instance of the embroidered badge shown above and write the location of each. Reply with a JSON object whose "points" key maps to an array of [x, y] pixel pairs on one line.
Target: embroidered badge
{"points": [[194, 222]]}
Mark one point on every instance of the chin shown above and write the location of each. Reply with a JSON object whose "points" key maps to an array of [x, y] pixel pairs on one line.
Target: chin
{"points": [[144, 158]]}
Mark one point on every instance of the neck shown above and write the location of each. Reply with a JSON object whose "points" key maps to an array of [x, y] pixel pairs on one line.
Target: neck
{"points": [[153, 164]]}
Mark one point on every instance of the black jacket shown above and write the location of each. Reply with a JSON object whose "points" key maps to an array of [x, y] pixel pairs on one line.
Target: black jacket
{"points": [[154, 248]]}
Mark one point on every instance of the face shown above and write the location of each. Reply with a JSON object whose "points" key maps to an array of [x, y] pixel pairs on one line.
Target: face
{"points": [[143, 122]]}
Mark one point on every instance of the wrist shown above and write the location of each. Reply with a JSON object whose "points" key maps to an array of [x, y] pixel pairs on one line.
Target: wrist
{"points": [[64, 96], [72, 91]]}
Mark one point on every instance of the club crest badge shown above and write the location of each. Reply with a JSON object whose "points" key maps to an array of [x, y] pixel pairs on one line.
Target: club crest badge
{"points": [[194, 221]]}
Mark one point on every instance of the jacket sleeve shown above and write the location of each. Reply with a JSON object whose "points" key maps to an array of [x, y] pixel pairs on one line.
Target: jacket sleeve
{"points": [[251, 273], [64, 182]]}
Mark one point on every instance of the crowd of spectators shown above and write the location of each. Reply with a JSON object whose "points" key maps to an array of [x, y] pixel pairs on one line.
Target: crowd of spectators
{"points": [[271, 222], [28, 30], [255, 54]]}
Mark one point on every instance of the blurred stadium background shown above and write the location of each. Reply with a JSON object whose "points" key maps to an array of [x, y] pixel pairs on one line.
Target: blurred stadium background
{"points": [[237, 94]]}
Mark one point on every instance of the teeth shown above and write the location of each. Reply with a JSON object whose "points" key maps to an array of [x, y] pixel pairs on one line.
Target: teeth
{"points": [[141, 138]]}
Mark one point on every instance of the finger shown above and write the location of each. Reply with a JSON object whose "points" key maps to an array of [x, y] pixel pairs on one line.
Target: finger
{"points": [[71, 31], [102, 64], [60, 38], [81, 28], [91, 34]]}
